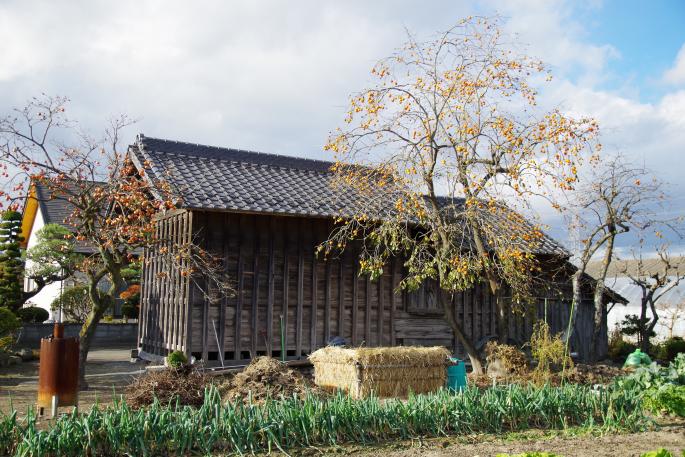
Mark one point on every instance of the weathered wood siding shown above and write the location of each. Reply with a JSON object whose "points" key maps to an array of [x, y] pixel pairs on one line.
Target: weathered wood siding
{"points": [[278, 279], [163, 324]]}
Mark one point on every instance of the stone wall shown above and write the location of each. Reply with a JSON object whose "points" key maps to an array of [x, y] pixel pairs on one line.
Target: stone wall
{"points": [[106, 335]]}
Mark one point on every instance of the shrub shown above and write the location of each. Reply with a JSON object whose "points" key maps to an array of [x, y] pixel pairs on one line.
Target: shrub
{"points": [[32, 315], [74, 302], [129, 310], [9, 323], [176, 359], [669, 349], [619, 349]]}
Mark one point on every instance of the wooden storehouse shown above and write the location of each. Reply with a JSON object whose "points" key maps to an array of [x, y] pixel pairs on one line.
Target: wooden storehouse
{"points": [[265, 214]]}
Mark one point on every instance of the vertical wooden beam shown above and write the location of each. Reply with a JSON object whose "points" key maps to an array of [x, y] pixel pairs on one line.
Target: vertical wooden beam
{"points": [[327, 305], [393, 271], [205, 298], [183, 315], [341, 298], [255, 289], [270, 293], [175, 280], [228, 232], [355, 286], [300, 291], [155, 321], [312, 330], [143, 302], [188, 302], [286, 286], [241, 290], [381, 303], [367, 313]]}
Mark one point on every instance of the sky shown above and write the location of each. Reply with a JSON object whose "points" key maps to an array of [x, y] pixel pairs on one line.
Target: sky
{"points": [[274, 76]]}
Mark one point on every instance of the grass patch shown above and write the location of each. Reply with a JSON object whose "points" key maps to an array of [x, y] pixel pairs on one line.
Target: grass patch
{"points": [[296, 423]]}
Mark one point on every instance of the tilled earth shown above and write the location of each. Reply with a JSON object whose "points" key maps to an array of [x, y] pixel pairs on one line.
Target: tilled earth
{"points": [[670, 436]]}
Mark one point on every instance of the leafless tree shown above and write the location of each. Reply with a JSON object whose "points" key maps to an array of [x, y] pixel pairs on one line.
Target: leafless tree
{"points": [[655, 278], [672, 314], [113, 204], [614, 199]]}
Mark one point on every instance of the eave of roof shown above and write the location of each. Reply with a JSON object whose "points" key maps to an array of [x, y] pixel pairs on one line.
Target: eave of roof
{"points": [[210, 178]]}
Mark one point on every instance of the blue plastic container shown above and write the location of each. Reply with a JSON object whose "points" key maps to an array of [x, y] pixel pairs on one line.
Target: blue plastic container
{"points": [[456, 375]]}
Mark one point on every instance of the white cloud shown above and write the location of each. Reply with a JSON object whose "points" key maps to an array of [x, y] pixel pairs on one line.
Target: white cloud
{"points": [[676, 74], [275, 76]]}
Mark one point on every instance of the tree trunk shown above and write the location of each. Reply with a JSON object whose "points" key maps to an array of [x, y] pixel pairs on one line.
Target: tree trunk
{"points": [[86, 337], [595, 353], [474, 357], [575, 304]]}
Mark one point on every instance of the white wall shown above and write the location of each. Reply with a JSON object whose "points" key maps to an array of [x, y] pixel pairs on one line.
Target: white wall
{"points": [[46, 296]]}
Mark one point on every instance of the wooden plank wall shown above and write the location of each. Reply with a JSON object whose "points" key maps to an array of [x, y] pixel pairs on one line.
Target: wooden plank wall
{"points": [[278, 279], [162, 326]]}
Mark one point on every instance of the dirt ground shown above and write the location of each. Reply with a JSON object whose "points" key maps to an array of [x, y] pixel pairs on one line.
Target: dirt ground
{"points": [[670, 436], [108, 371]]}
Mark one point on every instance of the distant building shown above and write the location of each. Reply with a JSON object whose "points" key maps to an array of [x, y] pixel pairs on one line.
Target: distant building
{"points": [[42, 208], [621, 283]]}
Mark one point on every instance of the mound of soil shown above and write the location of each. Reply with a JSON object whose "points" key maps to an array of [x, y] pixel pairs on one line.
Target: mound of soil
{"points": [[183, 384], [265, 378]]}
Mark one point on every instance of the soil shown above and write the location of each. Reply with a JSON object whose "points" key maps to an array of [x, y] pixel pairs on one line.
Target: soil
{"points": [[264, 378], [670, 436], [108, 372]]}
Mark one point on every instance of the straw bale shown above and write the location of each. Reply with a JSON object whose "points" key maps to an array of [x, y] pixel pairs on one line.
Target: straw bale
{"points": [[385, 372]]}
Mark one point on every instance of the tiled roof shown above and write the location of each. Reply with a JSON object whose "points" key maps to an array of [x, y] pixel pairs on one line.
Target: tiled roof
{"points": [[213, 178], [231, 179]]}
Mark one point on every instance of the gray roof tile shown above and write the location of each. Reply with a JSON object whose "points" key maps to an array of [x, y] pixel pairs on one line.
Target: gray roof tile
{"points": [[212, 178]]}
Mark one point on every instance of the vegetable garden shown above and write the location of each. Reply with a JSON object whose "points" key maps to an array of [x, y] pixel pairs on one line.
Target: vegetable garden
{"points": [[292, 423]]}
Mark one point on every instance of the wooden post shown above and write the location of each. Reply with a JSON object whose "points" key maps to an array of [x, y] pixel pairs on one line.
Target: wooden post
{"points": [[355, 341], [270, 294], [327, 305], [341, 298], [367, 313], [300, 293], [312, 330], [255, 290]]}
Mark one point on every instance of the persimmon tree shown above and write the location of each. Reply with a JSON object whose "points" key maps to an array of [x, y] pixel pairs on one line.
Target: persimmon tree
{"points": [[441, 149], [615, 198], [113, 204]]}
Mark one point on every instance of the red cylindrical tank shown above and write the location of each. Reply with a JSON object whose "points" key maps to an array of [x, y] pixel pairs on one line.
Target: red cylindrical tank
{"points": [[58, 370]]}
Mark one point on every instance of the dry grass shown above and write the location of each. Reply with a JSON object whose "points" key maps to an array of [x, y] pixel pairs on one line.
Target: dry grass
{"points": [[184, 384], [511, 358], [581, 374], [384, 372], [265, 378]]}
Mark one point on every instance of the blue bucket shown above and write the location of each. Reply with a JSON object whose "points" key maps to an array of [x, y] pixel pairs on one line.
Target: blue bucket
{"points": [[456, 374]]}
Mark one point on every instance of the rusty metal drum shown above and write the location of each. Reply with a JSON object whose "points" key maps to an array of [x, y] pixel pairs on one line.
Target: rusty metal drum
{"points": [[58, 371]]}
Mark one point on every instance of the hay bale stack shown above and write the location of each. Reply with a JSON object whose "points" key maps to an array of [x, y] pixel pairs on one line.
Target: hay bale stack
{"points": [[384, 372]]}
